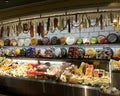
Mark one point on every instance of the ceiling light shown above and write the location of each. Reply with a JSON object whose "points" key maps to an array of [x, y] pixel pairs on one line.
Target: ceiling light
{"points": [[6, 0]]}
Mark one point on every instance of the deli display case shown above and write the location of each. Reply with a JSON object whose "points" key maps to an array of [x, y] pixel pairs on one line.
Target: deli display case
{"points": [[60, 55], [27, 77]]}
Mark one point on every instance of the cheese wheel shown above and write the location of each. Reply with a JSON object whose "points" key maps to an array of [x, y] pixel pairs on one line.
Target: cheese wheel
{"points": [[90, 52], [1, 43], [117, 52]]}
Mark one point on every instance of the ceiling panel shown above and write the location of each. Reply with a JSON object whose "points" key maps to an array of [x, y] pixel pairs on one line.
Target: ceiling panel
{"points": [[17, 8], [14, 3]]}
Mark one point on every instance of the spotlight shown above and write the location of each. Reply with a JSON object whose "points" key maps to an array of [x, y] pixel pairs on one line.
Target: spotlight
{"points": [[6, 0]]}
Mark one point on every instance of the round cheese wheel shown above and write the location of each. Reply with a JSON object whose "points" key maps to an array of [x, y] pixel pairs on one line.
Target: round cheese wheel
{"points": [[7, 42], [93, 40], [90, 52], [21, 42], [70, 40], [117, 52], [54, 40], [62, 40], [63, 52], [34, 41], [13, 42], [27, 42], [101, 39], [1, 43], [81, 52], [45, 41], [112, 38], [79, 41]]}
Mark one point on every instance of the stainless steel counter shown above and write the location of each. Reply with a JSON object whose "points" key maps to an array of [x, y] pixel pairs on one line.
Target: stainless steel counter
{"points": [[35, 87]]}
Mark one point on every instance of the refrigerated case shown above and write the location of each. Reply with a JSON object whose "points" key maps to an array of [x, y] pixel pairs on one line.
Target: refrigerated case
{"points": [[34, 86]]}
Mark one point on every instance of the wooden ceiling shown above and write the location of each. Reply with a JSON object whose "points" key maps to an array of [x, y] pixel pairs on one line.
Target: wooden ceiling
{"points": [[17, 8]]}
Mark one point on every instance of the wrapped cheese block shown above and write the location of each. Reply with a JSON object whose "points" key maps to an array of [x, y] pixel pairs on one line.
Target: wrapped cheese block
{"points": [[89, 71]]}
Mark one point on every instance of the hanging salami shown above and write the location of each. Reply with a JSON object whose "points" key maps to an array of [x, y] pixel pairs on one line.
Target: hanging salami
{"points": [[31, 29], [55, 22], [69, 29], [25, 28], [19, 27], [38, 28], [96, 22], [48, 25], [76, 16], [8, 31], [111, 17], [1, 31], [101, 22], [61, 24], [89, 21], [42, 29]]}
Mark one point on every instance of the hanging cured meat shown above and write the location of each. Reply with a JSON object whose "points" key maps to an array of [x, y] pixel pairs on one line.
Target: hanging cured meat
{"points": [[80, 22], [1, 32], [19, 27], [61, 24], [111, 17], [8, 31], [12, 29], [55, 22], [42, 29], [54, 25], [101, 22], [89, 21], [76, 18], [68, 22], [31, 29], [38, 28], [48, 25], [25, 27], [96, 22]]}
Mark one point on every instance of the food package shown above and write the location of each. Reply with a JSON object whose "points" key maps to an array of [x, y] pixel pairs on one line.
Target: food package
{"points": [[103, 54], [31, 52], [90, 53], [73, 52], [89, 71]]}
